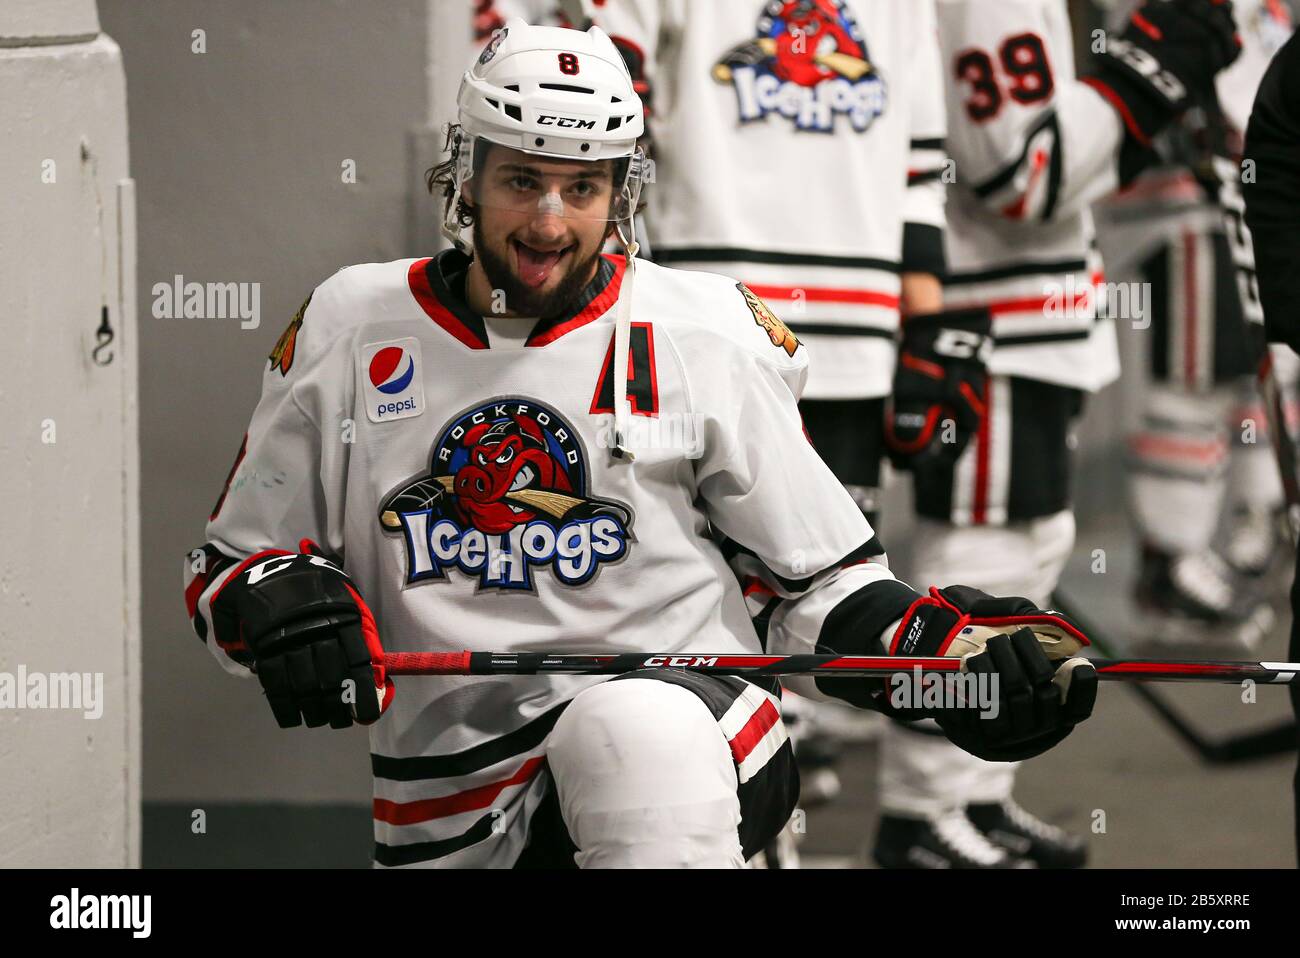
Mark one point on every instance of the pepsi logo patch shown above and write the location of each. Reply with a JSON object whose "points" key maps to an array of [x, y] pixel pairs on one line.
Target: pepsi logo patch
{"points": [[390, 380]]}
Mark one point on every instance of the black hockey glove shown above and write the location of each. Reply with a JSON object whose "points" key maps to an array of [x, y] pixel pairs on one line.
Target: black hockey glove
{"points": [[1042, 688], [313, 639], [1164, 61], [937, 401]]}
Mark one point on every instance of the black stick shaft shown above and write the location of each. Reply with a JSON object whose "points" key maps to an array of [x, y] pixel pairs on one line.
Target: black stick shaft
{"points": [[847, 666]]}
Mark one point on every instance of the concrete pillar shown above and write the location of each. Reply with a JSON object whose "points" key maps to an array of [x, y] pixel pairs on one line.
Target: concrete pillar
{"points": [[69, 571]]}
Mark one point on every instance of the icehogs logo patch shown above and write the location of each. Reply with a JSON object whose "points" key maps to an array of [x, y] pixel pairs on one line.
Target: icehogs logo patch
{"points": [[809, 64], [505, 495]]}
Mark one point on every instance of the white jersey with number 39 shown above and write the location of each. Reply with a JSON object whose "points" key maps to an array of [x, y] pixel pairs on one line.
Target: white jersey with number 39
{"points": [[1033, 148]]}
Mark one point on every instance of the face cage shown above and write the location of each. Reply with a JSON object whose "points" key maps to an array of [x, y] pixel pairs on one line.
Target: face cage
{"points": [[624, 207]]}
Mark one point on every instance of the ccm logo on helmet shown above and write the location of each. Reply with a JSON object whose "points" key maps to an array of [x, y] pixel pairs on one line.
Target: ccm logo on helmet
{"points": [[569, 122], [681, 661]]}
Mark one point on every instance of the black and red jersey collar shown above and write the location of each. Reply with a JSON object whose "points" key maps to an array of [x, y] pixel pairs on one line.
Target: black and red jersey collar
{"points": [[432, 280]]}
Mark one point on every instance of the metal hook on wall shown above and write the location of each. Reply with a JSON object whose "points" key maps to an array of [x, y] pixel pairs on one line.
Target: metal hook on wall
{"points": [[105, 336]]}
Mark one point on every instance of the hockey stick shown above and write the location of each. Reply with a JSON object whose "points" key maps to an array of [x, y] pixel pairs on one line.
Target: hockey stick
{"points": [[1239, 748], [846, 666]]}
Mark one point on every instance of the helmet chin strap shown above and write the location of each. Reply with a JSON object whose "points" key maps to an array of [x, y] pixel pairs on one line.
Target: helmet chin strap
{"points": [[452, 230], [622, 333], [461, 153]]}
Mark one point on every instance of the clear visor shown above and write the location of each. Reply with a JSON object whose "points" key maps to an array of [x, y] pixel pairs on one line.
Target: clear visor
{"points": [[518, 182]]}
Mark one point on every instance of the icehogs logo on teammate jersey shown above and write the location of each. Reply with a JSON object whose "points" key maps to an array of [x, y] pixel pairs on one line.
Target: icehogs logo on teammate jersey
{"points": [[809, 64], [505, 494]]}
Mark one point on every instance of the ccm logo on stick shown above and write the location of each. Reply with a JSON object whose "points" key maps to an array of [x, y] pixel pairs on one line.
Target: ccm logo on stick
{"points": [[681, 661]]}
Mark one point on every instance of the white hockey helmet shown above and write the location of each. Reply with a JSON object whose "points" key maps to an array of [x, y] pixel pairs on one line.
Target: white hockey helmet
{"points": [[551, 92]]}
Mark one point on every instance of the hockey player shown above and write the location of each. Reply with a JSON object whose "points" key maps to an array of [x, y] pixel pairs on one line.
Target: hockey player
{"points": [[984, 397], [521, 444], [1202, 443], [798, 145]]}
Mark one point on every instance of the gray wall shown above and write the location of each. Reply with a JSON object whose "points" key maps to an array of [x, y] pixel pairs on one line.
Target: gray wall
{"points": [[237, 156]]}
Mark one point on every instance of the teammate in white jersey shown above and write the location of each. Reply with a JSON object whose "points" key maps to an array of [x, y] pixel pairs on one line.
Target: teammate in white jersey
{"points": [[522, 444], [984, 398]]}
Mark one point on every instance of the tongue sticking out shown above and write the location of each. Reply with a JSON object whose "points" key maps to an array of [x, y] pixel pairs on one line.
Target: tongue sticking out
{"points": [[535, 266]]}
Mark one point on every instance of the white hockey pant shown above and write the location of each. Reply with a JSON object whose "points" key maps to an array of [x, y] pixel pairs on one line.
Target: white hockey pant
{"points": [[645, 779]]}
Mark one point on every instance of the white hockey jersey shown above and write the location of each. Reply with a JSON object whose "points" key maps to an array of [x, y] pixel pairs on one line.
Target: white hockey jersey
{"points": [[466, 481], [793, 142], [1033, 148]]}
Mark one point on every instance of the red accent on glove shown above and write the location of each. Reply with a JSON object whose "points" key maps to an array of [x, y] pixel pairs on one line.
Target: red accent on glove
{"points": [[1113, 98], [963, 619], [975, 399], [922, 366], [923, 437], [1147, 27], [368, 630], [933, 598], [371, 634]]}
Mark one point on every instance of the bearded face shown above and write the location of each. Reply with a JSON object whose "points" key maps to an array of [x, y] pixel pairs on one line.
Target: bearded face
{"points": [[539, 227]]}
